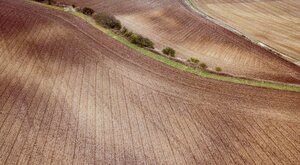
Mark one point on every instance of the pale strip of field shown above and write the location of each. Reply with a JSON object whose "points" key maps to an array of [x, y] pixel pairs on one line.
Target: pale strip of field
{"points": [[275, 23]]}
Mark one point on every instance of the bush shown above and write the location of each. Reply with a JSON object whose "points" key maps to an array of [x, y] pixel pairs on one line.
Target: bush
{"points": [[107, 21], [128, 34], [193, 60], [88, 11], [218, 69], [49, 2], [169, 51], [40, 1], [203, 65], [141, 41], [124, 31]]}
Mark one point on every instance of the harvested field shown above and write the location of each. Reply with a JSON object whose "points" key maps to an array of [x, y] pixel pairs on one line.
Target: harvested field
{"points": [[274, 22], [71, 95], [171, 23]]}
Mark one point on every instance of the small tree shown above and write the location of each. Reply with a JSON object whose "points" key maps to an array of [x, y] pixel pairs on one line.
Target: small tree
{"points": [[141, 41], [124, 30], [128, 34], [51, 2], [218, 69], [169, 51], [203, 66], [107, 21], [193, 60], [88, 11]]}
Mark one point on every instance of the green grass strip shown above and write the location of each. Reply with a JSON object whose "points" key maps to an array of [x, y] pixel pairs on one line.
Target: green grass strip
{"points": [[165, 60]]}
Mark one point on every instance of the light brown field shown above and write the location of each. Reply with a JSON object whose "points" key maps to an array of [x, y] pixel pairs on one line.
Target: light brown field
{"points": [[274, 22], [71, 95], [171, 23]]}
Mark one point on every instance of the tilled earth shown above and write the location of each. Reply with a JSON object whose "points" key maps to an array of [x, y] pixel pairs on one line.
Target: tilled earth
{"points": [[71, 95]]}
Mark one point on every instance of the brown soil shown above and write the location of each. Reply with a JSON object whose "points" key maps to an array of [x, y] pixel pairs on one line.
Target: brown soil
{"points": [[70, 94], [171, 23]]}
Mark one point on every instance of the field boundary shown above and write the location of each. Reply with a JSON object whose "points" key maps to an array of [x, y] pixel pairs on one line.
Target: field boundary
{"points": [[221, 23], [175, 64]]}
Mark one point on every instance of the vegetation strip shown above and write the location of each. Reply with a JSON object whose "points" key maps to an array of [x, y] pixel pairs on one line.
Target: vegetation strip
{"points": [[178, 65]]}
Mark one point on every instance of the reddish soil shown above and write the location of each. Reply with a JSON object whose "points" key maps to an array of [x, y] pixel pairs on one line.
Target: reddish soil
{"points": [[171, 23], [70, 94]]}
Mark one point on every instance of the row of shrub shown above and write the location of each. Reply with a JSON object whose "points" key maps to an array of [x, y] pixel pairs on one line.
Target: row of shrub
{"points": [[136, 39], [197, 62], [111, 22]]}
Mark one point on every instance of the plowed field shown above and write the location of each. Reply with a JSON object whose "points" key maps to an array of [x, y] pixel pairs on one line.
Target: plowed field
{"points": [[274, 22], [70, 94], [171, 23]]}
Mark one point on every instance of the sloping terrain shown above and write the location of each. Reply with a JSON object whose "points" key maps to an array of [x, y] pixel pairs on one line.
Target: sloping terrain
{"points": [[70, 94], [274, 22], [171, 23]]}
